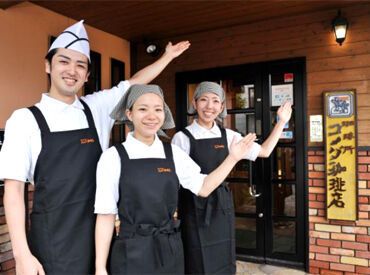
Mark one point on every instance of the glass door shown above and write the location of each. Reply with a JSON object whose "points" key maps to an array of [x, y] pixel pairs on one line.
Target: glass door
{"points": [[269, 194], [244, 115], [284, 171]]}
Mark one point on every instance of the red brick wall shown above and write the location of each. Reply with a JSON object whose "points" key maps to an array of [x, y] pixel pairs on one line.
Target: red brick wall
{"points": [[338, 247]]}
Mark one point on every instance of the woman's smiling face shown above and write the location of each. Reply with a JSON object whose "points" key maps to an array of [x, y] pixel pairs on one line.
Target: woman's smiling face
{"points": [[147, 115], [208, 107]]}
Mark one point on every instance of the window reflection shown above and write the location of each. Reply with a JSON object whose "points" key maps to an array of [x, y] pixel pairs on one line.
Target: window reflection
{"points": [[284, 237], [191, 90], [239, 96], [243, 201], [241, 123], [284, 200], [283, 162], [240, 170], [245, 232]]}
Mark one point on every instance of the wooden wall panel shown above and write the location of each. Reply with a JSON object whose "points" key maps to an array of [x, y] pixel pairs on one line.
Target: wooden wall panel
{"points": [[329, 66], [135, 20]]}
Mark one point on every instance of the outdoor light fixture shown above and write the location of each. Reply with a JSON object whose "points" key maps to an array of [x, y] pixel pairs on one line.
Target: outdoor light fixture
{"points": [[340, 27], [152, 49]]}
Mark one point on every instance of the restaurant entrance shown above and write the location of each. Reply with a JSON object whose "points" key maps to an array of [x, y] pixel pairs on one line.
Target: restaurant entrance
{"points": [[270, 195]]}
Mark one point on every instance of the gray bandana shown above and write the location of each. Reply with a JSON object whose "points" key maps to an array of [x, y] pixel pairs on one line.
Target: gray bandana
{"points": [[130, 97], [209, 87]]}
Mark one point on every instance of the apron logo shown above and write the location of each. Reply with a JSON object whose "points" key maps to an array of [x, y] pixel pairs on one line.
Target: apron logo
{"points": [[163, 170], [87, 140], [219, 146]]}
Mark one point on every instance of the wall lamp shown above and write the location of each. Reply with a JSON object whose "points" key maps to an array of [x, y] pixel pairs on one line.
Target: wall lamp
{"points": [[152, 48], [340, 26]]}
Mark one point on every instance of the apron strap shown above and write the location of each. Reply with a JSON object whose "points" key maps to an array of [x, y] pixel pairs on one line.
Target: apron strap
{"points": [[168, 150], [223, 134], [88, 114], [224, 137], [122, 152], [124, 158], [191, 141], [40, 119], [208, 213], [188, 134]]}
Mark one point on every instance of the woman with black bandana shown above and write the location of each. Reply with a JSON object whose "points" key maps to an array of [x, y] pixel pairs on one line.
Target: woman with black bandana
{"points": [[139, 179], [208, 226]]}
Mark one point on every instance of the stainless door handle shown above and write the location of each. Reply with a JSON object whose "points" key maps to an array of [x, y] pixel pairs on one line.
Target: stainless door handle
{"points": [[252, 187]]}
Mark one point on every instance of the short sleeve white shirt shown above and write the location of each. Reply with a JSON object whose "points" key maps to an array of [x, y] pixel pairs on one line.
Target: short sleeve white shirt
{"points": [[199, 132], [109, 171], [22, 142]]}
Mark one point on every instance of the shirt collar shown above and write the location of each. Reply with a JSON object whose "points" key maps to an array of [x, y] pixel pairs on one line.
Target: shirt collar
{"points": [[58, 105], [130, 139], [200, 129]]}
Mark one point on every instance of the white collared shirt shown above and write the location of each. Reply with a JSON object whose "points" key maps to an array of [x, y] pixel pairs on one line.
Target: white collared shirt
{"points": [[22, 142], [109, 170], [199, 132]]}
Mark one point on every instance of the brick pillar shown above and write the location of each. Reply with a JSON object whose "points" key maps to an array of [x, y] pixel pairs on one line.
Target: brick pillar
{"points": [[338, 247]]}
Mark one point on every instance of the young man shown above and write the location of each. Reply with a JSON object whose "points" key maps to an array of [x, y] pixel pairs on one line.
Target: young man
{"points": [[56, 145]]}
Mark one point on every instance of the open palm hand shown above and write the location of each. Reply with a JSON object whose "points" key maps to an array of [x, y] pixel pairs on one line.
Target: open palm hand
{"points": [[240, 149], [177, 49], [285, 111]]}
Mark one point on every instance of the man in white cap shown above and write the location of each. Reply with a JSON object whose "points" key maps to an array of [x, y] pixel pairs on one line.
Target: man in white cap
{"points": [[56, 145]]}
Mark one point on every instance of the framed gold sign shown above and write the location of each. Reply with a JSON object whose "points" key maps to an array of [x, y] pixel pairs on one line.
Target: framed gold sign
{"points": [[340, 132]]}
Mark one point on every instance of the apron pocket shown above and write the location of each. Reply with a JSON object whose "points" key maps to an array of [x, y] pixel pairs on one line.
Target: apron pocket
{"points": [[217, 242], [141, 255], [73, 235]]}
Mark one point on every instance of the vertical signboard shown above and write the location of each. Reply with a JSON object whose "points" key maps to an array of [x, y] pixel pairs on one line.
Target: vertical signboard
{"points": [[341, 154]]}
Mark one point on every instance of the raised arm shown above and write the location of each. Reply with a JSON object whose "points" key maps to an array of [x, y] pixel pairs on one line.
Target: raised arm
{"points": [[151, 71], [237, 151], [26, 263], [284, 113]]}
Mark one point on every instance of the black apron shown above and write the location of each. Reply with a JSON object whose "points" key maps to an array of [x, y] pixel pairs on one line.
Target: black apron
{"points": [[207, 224], [149, 240], [61, 236]]}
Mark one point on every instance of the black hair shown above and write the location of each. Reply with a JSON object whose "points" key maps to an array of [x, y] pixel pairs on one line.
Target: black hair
{"points": [[50, 55]]}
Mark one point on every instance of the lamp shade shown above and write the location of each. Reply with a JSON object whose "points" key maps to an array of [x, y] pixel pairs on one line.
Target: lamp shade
{"points": [[340, 27]]}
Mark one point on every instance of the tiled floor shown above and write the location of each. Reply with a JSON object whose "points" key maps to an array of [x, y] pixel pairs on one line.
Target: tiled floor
{"points": [[246, 268]]}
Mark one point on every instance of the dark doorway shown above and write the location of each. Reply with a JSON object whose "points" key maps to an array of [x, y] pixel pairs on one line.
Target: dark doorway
{"points": [[270, 227], [93, 83], [117, 75]]}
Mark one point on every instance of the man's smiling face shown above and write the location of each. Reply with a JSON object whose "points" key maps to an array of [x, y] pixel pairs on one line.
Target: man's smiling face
{"points": [[68, 72]]}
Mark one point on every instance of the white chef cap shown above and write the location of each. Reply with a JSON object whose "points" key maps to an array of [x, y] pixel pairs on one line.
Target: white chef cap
{"points": [[74, 38]]}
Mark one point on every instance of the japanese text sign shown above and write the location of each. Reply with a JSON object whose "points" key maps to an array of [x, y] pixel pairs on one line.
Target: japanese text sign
{"points": [[340, 154]]}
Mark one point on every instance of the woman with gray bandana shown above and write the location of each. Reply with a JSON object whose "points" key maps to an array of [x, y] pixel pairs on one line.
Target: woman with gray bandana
{"points": [[208, 226], [139, 179]]}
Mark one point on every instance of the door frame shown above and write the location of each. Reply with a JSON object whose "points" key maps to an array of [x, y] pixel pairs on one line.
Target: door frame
{"points": [[213, 74]]}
